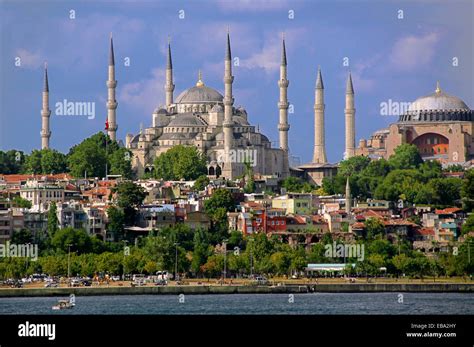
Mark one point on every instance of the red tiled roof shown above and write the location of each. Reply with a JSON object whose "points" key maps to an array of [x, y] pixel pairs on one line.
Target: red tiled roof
{"points": [[448, 210], [425, 231], [23, 177], [358, 225]]}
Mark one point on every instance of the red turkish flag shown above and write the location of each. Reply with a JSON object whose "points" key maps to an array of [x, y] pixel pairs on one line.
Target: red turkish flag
{"points": [[106, 124]]}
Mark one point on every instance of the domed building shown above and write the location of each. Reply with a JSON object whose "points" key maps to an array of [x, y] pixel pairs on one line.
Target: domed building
{"points": [[202, 117], [439, 124]]}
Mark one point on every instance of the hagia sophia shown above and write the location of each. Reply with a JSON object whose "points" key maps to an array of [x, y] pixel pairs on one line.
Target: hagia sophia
{"points": [[439, 124]]}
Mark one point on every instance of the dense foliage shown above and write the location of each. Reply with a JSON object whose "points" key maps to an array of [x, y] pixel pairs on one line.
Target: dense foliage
{"points": [[180, 162], [404, 176]]}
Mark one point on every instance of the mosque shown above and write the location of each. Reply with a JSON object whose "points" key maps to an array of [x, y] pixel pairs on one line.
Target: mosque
{"points": [[440, 125]]}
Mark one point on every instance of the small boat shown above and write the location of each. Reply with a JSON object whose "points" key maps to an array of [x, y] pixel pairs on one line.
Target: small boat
{"points": [[65, 304]]}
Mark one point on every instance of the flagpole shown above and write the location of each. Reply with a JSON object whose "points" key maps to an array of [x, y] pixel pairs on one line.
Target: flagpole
{"points": [[106, 150]]}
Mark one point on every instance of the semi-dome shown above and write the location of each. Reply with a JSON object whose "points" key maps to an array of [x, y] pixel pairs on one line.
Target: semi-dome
{"points": [[438, 100], [199, 94], [187, 119]]}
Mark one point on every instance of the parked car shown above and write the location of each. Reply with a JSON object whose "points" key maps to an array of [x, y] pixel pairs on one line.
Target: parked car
{"points": [[51, 285], [260, 280], [75, 282], [86, 283]]}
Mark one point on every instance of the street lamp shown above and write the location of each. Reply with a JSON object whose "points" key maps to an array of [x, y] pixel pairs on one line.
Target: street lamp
{"points": [[176, 262], [251, 259], [69, 261], [224, 242]]}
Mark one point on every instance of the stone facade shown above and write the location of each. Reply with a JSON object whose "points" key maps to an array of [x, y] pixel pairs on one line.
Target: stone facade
{"points": [[440, 125]]}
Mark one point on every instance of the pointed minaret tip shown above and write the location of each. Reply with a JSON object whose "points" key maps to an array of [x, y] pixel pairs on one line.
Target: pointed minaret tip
{"points": [[349, 86], [111, 52], [319, 79], [228, 54], [46, 84], [283, 50], [169, 62], [438, 89]]}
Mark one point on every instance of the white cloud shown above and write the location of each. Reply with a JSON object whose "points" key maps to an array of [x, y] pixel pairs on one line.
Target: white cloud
{"points": [[28, 59], [268, 57], [146, 94], [412, 51], [252, 5]]}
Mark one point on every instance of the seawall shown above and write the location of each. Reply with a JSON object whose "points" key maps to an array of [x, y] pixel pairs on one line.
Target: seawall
{"points": [[284, 289]]}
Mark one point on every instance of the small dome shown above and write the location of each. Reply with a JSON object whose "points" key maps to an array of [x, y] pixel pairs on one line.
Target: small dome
{"points": [[161, 111], [220, 136], [217, 108], [239, 120], [199, 94]]}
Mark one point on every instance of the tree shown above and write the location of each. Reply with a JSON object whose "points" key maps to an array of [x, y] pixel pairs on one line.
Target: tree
{"points": [[120, 163], [374, 227], [401, 263], [116, 220], [296, 185], [221, 198], [91, 156], [467, 190], [46, 161], [281, 262], [406, 156], [52, 162], [12, 162], [129, 197], [468, 225], [33, 162], [446, 190], [180, 162], [201, 183], [353, 165], [53, 222], [22, 236], [78, 239], [18, 201], [200, 251]]}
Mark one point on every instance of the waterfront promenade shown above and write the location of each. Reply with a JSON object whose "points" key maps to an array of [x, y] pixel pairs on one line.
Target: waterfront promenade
{"points": [[278, 287]]}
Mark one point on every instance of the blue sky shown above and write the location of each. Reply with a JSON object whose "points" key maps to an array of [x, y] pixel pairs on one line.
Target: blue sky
{"points": [[390, 58]]}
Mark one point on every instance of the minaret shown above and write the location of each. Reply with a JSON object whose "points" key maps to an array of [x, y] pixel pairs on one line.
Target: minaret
{"points": [[45, 112], [348, 197], [350, 119], [111, 102], [228, 99], [319, 155], [169, 86], [283, 104]]}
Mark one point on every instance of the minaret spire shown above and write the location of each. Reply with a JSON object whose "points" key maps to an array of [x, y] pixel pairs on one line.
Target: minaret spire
{"points": [[348, 197], [350, 119], [111, 83], [283, 105], [319, 154], [45, 112], [228, 102], [169, 86]]}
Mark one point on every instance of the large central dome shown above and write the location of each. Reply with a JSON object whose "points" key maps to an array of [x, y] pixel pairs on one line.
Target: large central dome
{"points": [[438, 100], [199, 94]]}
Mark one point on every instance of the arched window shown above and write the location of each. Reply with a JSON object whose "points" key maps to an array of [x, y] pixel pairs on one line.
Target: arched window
{"points": [[211, 171], [218, 171]]}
